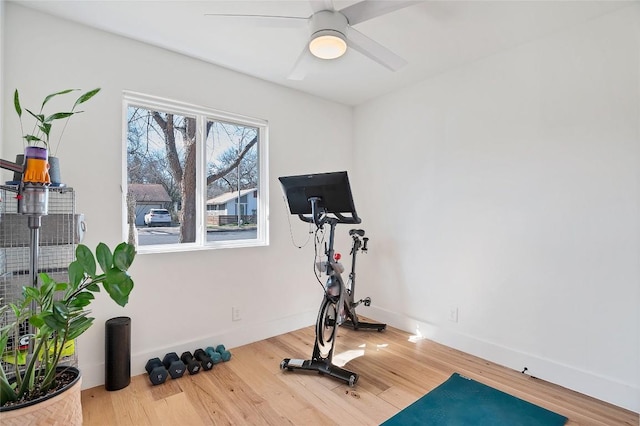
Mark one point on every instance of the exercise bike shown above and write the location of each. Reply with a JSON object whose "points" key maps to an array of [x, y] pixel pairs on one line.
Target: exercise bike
{"points": [[327, 196]]}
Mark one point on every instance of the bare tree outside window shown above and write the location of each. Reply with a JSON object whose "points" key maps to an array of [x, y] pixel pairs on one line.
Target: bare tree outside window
{"points": [[164, 148]]}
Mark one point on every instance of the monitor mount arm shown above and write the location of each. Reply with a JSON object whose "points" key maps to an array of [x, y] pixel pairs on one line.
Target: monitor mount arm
{"points": [[318, 213]]}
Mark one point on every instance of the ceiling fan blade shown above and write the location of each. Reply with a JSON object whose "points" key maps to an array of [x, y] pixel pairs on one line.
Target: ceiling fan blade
{"points": [[365, 10], [302, 65], [374, 50], [320, 5], [263, 20]]}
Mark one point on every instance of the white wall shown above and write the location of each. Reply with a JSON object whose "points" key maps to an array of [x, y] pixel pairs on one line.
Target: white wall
{"points": [[183, 300], [515, 181]]}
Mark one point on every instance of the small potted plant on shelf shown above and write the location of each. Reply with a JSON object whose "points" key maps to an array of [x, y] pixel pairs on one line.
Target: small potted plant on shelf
{"points": [[56, 314], [37, 142]]}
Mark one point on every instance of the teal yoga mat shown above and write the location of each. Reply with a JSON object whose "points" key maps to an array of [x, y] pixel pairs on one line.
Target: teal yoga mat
{"points": [[461, 401]]}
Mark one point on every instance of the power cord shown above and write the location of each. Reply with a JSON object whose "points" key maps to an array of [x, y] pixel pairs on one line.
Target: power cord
{"points": [[318, 239], [291, 229]]}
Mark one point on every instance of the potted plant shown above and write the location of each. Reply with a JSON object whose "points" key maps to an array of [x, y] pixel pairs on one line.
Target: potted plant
{"points": [[37, 141], [57, 314]]}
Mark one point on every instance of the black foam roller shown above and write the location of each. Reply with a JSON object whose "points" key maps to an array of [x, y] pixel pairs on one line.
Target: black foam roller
{"points": [[117, 353]]}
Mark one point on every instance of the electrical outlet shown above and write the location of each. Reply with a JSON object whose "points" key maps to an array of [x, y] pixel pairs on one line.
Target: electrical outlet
{"points": [[235, 313], [453, 313]]}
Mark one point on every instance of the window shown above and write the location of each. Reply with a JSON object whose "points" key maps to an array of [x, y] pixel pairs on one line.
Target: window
{"points": [[205, 169]]}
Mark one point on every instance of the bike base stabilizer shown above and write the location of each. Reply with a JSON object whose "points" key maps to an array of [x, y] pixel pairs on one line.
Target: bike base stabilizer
{"points": [[322, 367], [361, 325]]}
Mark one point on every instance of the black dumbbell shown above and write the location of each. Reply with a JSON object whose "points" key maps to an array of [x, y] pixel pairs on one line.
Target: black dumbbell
{"points": [[215, 356], [224, 353], [193, 366], [157, 372], [175, 366], [205, 360]]}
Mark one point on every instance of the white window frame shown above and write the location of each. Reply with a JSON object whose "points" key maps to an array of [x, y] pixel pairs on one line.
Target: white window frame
{"points": [[202, 114]]}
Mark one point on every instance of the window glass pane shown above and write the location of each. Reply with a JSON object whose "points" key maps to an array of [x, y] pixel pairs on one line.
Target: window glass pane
{"points": [[161, 174], [194, 176], [232, 181]]}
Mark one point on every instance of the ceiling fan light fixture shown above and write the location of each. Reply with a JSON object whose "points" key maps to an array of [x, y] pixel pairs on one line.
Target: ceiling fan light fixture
{"points": [[328, 44]]}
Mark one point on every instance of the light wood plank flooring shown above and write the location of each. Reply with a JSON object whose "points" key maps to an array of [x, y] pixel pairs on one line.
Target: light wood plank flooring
{"points": [[394, 372]]}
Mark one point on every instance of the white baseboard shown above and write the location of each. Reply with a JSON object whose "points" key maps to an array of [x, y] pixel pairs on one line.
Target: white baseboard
{"points": [[625, 395], [93, 375]]}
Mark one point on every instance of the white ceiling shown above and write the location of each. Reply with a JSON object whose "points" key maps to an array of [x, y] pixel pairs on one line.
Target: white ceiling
{"points": [[433, 36]]}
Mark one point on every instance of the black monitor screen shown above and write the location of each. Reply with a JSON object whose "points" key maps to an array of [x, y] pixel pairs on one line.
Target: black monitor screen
{"points": [[333, 189]]}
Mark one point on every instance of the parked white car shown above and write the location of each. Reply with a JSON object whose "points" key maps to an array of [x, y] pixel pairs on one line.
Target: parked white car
{"points": [[157, 217]]}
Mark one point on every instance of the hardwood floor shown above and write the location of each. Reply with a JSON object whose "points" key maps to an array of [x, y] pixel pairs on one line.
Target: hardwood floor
{"points": [[394, 372]]}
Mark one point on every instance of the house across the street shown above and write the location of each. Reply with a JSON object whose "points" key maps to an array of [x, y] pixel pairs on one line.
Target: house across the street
{"points": [[149, 196], [224, 208]]}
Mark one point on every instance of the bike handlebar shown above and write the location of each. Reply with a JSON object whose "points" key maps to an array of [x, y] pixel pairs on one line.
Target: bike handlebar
{"points": [[320, 215], [354, 220]]}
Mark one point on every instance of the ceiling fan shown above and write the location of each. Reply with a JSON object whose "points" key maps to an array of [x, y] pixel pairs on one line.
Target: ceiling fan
{"points": [[331, 32]]}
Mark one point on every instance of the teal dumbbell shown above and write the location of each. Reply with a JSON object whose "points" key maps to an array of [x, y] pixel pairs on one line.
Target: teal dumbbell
{"points": [[224, 353], [215, 356]]}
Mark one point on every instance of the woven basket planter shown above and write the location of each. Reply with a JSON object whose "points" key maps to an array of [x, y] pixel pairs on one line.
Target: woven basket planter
{"points": [[61, 408]]}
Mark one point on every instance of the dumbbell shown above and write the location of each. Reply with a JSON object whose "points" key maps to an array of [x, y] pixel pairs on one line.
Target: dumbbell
{"points": [[215, 356], [174, 365], [205, 360], [224, 353], [157, 373], [193, 366]]}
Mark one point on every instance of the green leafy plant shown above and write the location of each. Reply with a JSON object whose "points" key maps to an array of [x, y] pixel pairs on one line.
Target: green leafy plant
{"points": [[44, 122], [57, 313]]}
